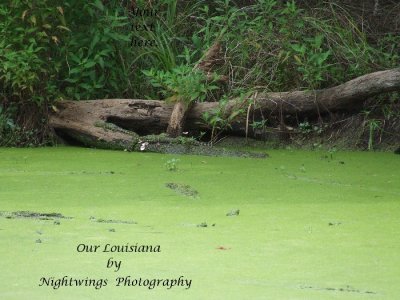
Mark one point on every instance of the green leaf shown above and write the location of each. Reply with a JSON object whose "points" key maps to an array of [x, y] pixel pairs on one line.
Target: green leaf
{"points": [[95, 40], [101, 62], [85, 86], [75, 71], [89, 64], [298, 48], [98, 4], [64, 28]]}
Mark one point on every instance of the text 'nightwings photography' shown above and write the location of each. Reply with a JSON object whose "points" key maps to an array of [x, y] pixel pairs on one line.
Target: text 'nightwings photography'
{"points": [[122, 281]]}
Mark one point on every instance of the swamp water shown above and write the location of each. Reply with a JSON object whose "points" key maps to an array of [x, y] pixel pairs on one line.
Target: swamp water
{"points": [[296, 225]]}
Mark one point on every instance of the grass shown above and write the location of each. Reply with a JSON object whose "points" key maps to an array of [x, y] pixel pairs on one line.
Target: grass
{"points": [[310, 227]]}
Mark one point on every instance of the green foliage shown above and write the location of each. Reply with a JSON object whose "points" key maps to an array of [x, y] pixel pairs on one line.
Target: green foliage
{"points": [[311, 59], [289, 48], [29, 38], [61, 50], [221, 118], [259, 124], [186, 140], [172, 164], [80, 50], [171, 37], [305, 127], [182, 83], [51, 50], [66, 49], [97, 52], [389, 53]]}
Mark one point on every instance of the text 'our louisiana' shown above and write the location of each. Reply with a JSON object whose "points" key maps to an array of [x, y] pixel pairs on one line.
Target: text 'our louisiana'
{"points": [[110, 248]]}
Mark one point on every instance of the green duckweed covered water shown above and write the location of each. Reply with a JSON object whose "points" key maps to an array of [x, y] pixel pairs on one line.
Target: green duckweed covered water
{"points": [[309, 227]]}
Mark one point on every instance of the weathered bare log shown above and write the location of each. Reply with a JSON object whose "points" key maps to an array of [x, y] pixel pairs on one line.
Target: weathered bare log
{"points": [[177, 119], [342, 97], [114, 122]]}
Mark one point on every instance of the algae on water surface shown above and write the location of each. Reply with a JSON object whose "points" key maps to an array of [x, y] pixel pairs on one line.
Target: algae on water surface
{"points": [[310, 227]]}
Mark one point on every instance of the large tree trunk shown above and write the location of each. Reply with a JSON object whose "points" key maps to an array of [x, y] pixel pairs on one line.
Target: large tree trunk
{"points": [[116, 123]]}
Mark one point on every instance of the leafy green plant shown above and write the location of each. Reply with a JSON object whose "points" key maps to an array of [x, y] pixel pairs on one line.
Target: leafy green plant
{"points": [[259, 128], [311, 59], [182, 83], [97, 51], [29, 38], [221, 118], [57, 50], [259, 124], [170, 34], [186, 140], [305, 127], [172, 164]]}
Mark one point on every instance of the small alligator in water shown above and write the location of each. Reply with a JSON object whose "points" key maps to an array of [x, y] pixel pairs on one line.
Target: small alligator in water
{"points": [[181, 145]]}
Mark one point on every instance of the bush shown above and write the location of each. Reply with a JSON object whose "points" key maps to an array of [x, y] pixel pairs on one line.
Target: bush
{"points": [[60, 50]]}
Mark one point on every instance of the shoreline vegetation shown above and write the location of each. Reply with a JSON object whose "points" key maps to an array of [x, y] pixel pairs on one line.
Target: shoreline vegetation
{"points": [[203, 53]]}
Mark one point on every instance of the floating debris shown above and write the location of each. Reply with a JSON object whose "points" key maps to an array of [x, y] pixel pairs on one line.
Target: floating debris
{"points": [[182, 189], [334, 223], [222, 248], [32, 215], [233, 213], [111, 221], [347, 289]]}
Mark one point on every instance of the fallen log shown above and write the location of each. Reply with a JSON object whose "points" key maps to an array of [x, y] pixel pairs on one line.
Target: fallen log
{"points": [[118, 123]]}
